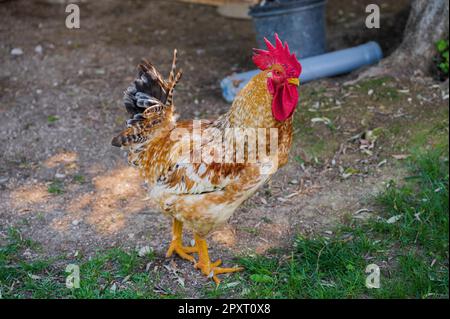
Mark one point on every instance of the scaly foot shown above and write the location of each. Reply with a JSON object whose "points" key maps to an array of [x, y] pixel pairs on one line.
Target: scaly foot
{"points": [[177, 246], [208, 268], [177, 243], [212, 269]]}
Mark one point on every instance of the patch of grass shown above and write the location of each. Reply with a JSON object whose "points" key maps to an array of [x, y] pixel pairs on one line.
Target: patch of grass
{"points": [[443, 58], [401, 136], [316, 268], [19, 279], [56, 188], [317, 140], [411, 252], [52, 119], [79, 179], [111, 274], [381, 88], [115, 274]]}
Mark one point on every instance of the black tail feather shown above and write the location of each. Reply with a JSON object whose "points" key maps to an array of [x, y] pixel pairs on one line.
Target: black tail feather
{"points": [[145, 100]]}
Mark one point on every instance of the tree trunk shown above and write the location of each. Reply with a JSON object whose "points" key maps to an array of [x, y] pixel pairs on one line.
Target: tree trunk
{"points": [[427, 23]]}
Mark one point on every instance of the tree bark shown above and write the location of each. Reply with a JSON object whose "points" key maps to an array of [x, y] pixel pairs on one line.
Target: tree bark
{"points": [[427, 23]]}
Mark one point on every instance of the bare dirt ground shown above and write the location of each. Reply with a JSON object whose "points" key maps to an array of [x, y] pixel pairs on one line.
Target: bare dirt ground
{"points": [[63, 185]]}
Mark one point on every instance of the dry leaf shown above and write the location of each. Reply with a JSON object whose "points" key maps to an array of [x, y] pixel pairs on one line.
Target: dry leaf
{"points": [[401, 156], [394, 219]]}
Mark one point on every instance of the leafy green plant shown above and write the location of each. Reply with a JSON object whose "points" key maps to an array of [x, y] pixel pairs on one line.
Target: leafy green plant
{"points": [[52, 119], [55, 188], [442, 48]]}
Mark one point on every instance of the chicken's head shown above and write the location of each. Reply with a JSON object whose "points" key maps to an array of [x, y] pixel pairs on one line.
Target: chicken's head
{"points": [[282, 70]]}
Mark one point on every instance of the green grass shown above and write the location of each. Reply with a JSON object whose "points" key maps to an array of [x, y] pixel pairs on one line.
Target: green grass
{"points": [[52, 119], [383, 89], [80, 179], [56, 188], [443, 57], [412, 253], [46, 278]]}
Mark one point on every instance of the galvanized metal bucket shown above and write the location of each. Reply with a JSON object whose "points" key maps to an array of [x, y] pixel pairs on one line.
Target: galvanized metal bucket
{"points": [[299, 22]]}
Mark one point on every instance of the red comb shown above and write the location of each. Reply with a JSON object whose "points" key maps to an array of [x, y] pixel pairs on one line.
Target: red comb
{"points": [[279, 54]]}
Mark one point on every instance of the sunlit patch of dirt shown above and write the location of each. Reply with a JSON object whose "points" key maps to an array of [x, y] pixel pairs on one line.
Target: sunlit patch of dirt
{"points": [[274, 230], [271, 235], [96, 169], [80, 203], [26, 196], [117, 194], [62, 224], [76, 210], [225, 236], [121, 182], [263, 247], [66, 158]]}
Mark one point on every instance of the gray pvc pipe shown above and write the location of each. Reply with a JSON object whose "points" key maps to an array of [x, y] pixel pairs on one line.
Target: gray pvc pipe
{"points": [[316, 67]]}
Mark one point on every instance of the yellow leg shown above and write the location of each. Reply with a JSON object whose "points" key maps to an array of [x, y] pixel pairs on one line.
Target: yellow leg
{"points": [[177, 243], [204, 263]]}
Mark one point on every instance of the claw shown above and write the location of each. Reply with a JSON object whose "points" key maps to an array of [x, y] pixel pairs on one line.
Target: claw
{"points": [[208, 268], [211, 270], [182, 251], [176, 246]]}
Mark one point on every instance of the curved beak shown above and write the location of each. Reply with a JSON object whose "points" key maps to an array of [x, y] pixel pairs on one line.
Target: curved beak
{"points": [[294, 81]]}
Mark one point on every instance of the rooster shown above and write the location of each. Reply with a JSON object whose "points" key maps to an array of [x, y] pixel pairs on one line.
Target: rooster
{"points": [[203, 194]]}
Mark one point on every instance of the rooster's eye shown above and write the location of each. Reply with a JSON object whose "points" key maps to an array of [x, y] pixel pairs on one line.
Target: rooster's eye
{"points": [[277, 73]]}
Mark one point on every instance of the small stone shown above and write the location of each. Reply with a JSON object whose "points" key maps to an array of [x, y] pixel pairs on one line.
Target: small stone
{"points": [[39, 91], [27, 253], [99, 71], [39, 49], [75, 222], [370, 92], [16, 51], [394, 219], [294, 182], [60, 176], [144, 251]]}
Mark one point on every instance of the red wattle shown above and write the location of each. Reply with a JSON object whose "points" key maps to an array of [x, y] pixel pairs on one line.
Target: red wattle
{"points": [[284, 102]]}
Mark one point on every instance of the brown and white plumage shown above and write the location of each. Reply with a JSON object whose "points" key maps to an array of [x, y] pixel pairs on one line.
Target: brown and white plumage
{"points": [[199, 194]]}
